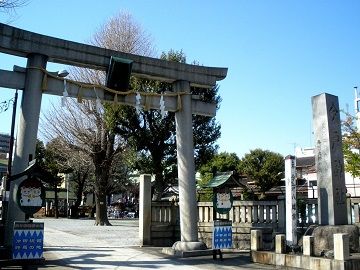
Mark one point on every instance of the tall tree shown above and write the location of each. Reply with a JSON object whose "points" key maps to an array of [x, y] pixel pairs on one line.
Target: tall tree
{"points": [[221, 162], [264, 167], [77, 165], [84, 130], [88, 128], [153, 136], [351, 145]]}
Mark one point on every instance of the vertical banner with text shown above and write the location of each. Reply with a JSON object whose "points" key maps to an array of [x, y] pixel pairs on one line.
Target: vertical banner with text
{"points": [[222, 234], [28, 240]]}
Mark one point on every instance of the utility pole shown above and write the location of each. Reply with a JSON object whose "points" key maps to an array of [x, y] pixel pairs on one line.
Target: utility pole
{"points": [[5, 199]]}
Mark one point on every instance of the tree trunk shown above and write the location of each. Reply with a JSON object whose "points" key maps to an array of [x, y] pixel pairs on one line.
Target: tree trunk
{"points": [[81, 178], [56, 204], [159, 188], [101, 210]]}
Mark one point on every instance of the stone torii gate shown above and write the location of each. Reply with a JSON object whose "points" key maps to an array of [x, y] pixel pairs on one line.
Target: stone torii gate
{"points": [[34, 80]]}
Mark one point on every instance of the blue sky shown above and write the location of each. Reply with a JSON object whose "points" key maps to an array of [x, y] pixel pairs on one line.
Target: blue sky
{"points": [[279, 54]]}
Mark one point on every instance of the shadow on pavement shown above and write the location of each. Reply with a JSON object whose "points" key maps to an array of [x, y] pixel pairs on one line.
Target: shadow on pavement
{"points": [[93, 257]]}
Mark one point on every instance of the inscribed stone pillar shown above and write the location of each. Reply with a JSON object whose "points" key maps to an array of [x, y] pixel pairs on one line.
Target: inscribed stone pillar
{"points": [[290, 193], [26, 136], [329, 160]]}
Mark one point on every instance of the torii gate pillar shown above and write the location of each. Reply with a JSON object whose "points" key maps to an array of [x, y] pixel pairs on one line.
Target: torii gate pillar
{"points": [[186, 173], [26, 135]]}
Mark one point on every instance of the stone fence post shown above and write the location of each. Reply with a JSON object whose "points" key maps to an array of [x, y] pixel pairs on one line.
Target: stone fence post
{"points": [[281, 214], [308, 245], [341, 246], [145, 210], [256, 241], [280, 243], [349, 209], [356, 213]]}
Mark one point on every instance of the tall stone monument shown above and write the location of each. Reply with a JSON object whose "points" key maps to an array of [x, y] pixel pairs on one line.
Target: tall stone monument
{"points": [[290, 199], [329, 160]]}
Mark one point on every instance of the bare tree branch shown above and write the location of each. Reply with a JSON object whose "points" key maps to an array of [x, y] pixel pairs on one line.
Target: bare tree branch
{"points": [[86, 129], [9, 7]]}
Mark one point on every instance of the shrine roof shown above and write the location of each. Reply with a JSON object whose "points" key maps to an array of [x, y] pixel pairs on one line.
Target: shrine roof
{"points": [[224, 179]]}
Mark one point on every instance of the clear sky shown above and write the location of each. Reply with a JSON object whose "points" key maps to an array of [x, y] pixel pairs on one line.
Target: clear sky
{"points": [[279, 54]]}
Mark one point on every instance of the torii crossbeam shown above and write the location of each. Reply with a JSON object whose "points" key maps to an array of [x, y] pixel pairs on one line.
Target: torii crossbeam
{"points": [[40, 49]]}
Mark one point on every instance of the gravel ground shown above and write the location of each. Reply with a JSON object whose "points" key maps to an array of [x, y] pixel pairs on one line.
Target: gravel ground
{"points": [[122, 233], [78, 244]]}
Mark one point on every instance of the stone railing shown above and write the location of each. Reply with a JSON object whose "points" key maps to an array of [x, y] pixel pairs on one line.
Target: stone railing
{"points": [[245, 215], [164, 212], [311, 212], [244, 212]]}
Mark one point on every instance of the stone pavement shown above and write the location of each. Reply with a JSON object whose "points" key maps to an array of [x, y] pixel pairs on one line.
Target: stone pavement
{"points": [[77, 244]]}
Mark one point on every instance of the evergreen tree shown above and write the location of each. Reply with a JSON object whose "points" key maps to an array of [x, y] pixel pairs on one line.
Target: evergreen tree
{"points": [[264, 167], [154, 138], [351, 146]]}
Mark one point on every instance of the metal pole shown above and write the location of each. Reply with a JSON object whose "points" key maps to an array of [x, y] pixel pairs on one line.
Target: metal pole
{"points": [[67, 194], [5, 200], [11, 147]]}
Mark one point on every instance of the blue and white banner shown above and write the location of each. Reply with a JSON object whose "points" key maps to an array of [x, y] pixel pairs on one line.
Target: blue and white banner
{"points": [[222, 234], [28, 240]]}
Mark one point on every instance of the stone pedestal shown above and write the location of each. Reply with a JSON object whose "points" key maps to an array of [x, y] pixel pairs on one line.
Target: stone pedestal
{"points": [[188, 246], [324, 237]]}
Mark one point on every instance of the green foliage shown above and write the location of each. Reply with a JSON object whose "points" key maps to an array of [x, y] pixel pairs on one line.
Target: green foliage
{"points": [[351, 146], [153, 137], [205, 194], [48, 160], [222, 162], [248, 195], [264, 167]]}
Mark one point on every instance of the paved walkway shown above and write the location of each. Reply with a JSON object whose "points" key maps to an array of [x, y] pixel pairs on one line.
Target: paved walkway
{"points": [[78, 244]]}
